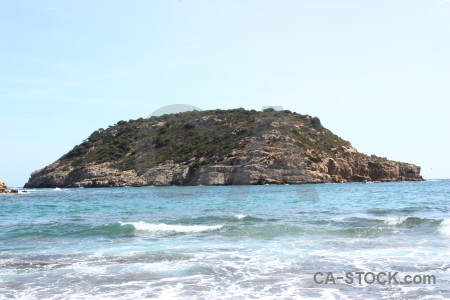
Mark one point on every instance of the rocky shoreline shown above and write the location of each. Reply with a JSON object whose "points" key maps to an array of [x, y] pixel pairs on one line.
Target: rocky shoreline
{"points": [[4, 189], [281, 172]]}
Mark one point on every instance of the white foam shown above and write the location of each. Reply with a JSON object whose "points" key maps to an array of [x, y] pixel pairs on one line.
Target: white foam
{"points": [[161, 227], [395, 220], [444, 227], [240, 217], [338, 218], [57, 189]]}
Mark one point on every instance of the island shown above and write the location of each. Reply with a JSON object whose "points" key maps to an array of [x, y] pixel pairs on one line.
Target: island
{"points": [[217, 147]]}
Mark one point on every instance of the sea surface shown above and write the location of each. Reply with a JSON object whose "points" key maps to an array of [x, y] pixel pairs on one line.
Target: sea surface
{"points": [[225, 242]]}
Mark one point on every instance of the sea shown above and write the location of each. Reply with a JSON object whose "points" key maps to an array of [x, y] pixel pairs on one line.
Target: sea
{"points": [[228, 242]]}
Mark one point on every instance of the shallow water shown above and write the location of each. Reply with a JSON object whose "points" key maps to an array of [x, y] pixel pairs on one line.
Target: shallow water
{"points": [[229, 242]]}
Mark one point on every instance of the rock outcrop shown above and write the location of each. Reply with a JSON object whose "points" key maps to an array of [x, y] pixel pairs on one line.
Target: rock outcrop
{"points": [[3, 187], [235, 147]]}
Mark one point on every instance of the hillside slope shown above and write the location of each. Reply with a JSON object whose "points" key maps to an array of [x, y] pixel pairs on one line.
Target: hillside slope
{"points": [[217, 147]]}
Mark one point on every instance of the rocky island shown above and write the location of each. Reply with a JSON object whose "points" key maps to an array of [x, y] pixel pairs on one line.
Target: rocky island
{"points": [[217, 147]]}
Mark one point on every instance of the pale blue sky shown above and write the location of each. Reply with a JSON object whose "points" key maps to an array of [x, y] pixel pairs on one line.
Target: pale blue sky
{"points": [[377, 73]]}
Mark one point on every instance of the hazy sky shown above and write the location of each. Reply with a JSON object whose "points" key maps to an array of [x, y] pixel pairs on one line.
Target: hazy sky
{"points": [[377, 73]]}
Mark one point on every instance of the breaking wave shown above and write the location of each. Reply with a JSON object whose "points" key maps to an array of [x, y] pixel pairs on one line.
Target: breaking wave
{"points": [[161, 227], [393, 221], [444, 227]]}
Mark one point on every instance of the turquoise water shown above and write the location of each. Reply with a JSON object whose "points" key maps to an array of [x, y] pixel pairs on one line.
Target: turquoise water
{"points": [[224, 242]]}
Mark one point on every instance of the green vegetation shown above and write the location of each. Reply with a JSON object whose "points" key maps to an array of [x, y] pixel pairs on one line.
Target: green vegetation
{"points": [[186, 137]]}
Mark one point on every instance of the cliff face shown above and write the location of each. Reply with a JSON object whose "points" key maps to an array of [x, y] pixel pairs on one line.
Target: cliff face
{"points": [[217, 148]]}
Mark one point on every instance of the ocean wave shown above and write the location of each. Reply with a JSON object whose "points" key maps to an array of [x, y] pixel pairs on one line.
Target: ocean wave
{"points": [[112, 229], [276, 231], [62, 230], [408, 221], [240, 217], [161, 227], [361, 222], [444, 227], [213, 219], [404, 210], [392, 221], [340, 226]]}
